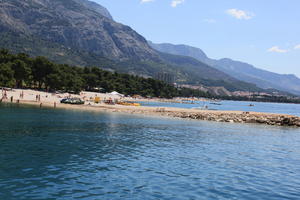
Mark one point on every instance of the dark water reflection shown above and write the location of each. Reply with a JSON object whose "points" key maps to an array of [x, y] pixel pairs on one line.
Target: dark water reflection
{"points": [[58, 154]]}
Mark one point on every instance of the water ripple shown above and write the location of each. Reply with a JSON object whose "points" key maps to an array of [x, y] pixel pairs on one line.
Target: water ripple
{"points": [[57, 154]]}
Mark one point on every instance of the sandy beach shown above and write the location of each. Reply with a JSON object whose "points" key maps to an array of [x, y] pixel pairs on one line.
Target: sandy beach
{"points": [[52, 100]]}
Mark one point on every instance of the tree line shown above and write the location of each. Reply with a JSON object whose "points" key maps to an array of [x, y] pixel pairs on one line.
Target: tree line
{"points": [[22, 71]]}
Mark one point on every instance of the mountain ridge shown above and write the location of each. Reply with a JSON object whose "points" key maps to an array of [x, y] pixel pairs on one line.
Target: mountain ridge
{"points": [[239, 70], [71, 31], [75, 25], [96, 7]]}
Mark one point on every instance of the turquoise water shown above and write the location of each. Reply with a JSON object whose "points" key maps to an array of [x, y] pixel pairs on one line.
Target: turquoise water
{"points": [[60, 154], [283, 108]]}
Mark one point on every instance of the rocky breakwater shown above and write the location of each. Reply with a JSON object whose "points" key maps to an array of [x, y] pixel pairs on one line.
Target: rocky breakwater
{"points": [[234, 117]]}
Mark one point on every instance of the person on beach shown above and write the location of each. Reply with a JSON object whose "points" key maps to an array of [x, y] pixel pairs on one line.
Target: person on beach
{"points": [[22, 95], [5, 95]]}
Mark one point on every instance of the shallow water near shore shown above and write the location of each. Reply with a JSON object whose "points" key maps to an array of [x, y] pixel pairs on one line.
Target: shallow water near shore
{"points": [[280, 108], [63, 154]]}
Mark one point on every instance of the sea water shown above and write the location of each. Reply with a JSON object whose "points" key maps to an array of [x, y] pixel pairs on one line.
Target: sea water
{"points": [[63, 154], [282, 108]]}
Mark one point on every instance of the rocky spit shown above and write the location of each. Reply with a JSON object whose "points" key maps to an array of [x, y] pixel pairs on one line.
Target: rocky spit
{"points": [[245, 117], [208, 115], [227, 116]]}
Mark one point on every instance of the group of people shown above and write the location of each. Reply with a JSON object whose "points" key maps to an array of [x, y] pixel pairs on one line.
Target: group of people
{"points": [[4, 96], [38, 97]]}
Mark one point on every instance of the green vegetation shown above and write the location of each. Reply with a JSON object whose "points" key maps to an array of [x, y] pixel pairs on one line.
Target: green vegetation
{"points": [[19, 70], [22, 71], [185, 70]]}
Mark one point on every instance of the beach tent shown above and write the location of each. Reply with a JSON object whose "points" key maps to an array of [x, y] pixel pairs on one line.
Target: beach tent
{"points": [[117, 94]]}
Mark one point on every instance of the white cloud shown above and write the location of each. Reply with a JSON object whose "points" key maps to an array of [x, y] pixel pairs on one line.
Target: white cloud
{"points": [[210, 21], [297, 47], [146, 1], [240, 14], [277, 50], [175, 3]]}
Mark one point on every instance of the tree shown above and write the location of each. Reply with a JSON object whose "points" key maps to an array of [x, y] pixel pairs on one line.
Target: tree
{"points": [[54, 81], [91, 80], [41, 68], [6, 75], [53, 77], [21, 72], [5, 56]]}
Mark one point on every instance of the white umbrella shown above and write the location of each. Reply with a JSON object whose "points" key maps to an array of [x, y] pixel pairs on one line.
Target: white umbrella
{"points": [[117, 93]]}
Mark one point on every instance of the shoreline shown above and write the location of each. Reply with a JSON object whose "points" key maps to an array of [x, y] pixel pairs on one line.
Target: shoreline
{"points": [[203, 115]]}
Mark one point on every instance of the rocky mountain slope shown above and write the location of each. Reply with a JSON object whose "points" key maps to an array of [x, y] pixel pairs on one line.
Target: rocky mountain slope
{"points": [[96, 7], [81, 32], [203, 74], [74, 24], [239, 70], [180, 49], [262, 78]]}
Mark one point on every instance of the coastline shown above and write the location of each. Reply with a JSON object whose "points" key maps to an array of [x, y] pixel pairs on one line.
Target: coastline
{"points": [[205, 115]]}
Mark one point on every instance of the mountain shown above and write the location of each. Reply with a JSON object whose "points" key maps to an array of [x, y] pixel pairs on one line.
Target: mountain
{"points": [[183, 50], [81, 32], [74, 24], [262, 78], [96, 7], [239, 70], [200, 73]]}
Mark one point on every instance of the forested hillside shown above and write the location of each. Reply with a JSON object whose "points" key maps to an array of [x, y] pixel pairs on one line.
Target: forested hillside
{"points": [[22, 71]]}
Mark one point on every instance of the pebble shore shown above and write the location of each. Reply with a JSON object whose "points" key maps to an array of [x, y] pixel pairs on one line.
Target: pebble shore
{"points": [[224, 116]]}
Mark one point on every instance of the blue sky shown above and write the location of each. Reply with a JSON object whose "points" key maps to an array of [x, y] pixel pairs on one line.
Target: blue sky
{"points": [[265, 33]]}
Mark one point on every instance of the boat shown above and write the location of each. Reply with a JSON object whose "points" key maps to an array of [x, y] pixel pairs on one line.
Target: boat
{"points": [[187, 102], [218, 104], [74, 101]]}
